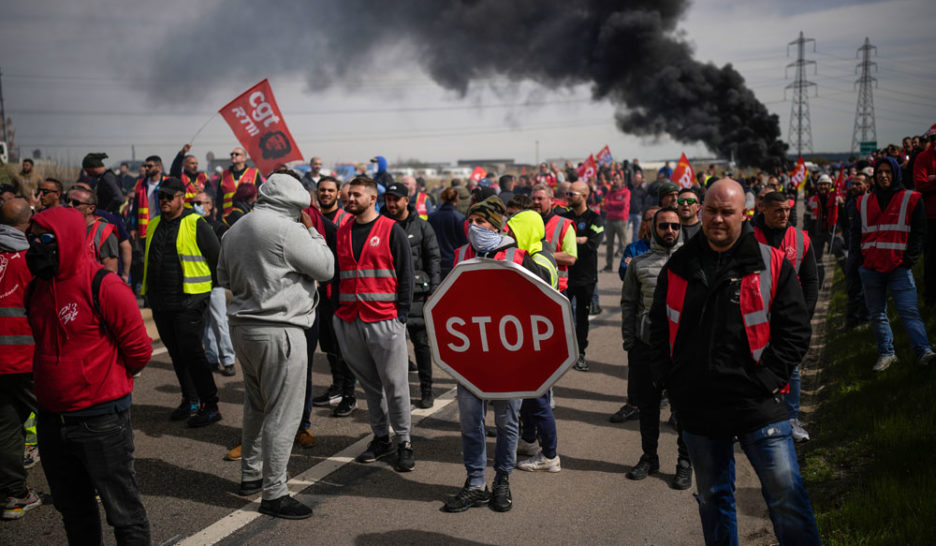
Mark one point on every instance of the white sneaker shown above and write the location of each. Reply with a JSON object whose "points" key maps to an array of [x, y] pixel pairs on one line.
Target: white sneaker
{"points": [[540, 463], [526, 448], [928, 357], [799, 433], [884, 362]]}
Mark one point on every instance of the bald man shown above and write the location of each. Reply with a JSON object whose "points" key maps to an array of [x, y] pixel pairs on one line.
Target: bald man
{"points": [[728, 324]]}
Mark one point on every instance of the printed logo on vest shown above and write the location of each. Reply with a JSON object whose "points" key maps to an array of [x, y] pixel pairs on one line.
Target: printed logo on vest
{"points": [[68, 313], [374, 241]]}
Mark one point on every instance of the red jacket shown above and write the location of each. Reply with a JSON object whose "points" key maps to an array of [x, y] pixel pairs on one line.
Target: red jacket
{"points": [[78, 364], [617, 204], [16, 341], [923, 167]]}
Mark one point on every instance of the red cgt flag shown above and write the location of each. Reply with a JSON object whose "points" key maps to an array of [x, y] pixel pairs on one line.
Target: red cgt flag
{"points": [[588, 169], [477, 174], [683, 175], [260, 128], [799, 174]]}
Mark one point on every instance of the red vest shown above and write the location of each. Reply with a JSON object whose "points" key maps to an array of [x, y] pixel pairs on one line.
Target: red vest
{"points": [[795, 244], [229, 187], [556, 230], [142, 205], [193, 186], [828, 216], [98, 232], [16, 339], [421, 209], [341, 217], [884, 235], [512, 254], [757, 293], [367, 287]]}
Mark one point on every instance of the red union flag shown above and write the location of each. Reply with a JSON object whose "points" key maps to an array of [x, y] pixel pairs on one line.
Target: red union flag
{"points": [[799, 174], [259, 127], [683, 175], [477, 174], [604, 156], [588, 169]]}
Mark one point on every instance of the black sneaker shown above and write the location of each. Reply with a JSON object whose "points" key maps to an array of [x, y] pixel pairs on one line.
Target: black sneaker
{"points": [[405, 461], [205, 416], [427, 399], [285, 507], [252, 487], [644, 468], [581, 365], [228, 371], [607, 269], [345, 407], [331, 396], [683, 478], [626, 413], [378, 448], [467, 498], [185, 410], [501, 501], [594, 310]]}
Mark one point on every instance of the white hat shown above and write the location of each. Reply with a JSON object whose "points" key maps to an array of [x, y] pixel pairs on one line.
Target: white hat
{"points": [[869, 171], [825, 179]]}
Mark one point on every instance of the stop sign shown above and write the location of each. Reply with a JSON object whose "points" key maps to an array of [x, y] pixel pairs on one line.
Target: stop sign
{"points": [[500, 330]]}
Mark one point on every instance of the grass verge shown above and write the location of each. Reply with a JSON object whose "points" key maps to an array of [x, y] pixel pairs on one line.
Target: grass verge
{"points": [[870, 465]]}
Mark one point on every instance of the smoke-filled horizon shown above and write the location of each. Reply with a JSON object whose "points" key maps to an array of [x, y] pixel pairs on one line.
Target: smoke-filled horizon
{"points": [[630, 52]]}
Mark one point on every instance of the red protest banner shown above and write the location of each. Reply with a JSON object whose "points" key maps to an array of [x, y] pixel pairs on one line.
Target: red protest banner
{"points": [[259, 127], [799, 174], [478, 174], [588, 169], [683, 175]]}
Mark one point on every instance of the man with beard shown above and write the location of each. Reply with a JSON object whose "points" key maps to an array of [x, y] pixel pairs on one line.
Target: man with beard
{"points": [[27, 182], [773, 228], [426, 265], [688, 205], [313, 176], [231, 179], [185, 168], [583, 275], [104, 182], [889, 238], [560, 233], [375, 292], [636, 299], [727, 322], [821, 217]]}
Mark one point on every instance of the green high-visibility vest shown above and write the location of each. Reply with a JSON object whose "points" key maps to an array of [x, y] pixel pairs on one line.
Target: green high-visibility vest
{"points": [[196, 275]]}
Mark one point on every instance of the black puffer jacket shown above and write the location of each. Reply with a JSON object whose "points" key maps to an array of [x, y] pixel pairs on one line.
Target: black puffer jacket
{"points": [[714, 384]]}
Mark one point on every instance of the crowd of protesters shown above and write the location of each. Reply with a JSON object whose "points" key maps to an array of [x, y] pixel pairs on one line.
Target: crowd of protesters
{"points": [[724, 253]]}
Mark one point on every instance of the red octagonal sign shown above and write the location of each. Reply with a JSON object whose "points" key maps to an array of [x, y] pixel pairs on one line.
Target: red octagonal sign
{"points": [[500, 330]]}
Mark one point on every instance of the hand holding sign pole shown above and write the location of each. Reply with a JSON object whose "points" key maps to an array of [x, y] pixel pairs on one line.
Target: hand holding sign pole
{"points": [[258, 125]]}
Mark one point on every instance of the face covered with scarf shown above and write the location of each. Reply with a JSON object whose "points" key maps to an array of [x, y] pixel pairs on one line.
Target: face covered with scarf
{"points": [[486, 218]]}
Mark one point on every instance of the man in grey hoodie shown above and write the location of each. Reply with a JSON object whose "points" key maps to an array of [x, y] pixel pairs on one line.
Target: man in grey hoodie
{"points": [[271, 261]]}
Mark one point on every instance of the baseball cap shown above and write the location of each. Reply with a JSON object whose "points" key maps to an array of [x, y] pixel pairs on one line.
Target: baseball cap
{"points": [[171, 186], [397, 189]]}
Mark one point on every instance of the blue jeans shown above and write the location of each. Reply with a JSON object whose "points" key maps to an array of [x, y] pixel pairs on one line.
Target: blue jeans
{"points": [[218, 346], [538, 421], [903, 291], [635, 219], [88, 454], [471, 410], [771, 453], [792, 398]]}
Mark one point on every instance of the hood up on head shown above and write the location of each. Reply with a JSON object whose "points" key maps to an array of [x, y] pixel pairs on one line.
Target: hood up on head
{"points": [[897, 181], [69, 228], [381, 163], [528, 230], [284, 194]]}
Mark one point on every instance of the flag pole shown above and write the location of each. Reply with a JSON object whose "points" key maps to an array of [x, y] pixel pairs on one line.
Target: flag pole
{"points": [[203, 127]]}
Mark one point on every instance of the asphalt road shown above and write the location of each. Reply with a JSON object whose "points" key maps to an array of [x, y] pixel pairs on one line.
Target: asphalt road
{"points": [[189, 490]]}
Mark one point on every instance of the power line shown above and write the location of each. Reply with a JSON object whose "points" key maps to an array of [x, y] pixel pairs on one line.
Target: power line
{"points": [[800, 129], [864, 135]]}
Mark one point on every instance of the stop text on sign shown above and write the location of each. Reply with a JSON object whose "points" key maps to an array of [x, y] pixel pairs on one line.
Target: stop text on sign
{"points": [[509, 329]]}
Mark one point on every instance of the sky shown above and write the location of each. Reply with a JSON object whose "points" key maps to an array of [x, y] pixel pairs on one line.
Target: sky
{"points": [[91, 75]]}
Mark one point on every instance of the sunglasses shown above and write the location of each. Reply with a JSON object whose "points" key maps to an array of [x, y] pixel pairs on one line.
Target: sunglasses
{"points": [[235, 154], [45, 191], [687, 201], [674, 226], [202, 202], [148, 165], [572, 193], [43, 238], [76, 203], [167, 197]]}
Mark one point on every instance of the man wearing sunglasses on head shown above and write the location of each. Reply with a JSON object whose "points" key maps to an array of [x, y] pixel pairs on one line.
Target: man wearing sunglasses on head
{"points": [[687, 206], [232, 177]]}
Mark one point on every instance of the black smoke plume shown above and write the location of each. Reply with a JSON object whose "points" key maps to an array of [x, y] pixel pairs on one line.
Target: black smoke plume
{"points": [[629, 52]]}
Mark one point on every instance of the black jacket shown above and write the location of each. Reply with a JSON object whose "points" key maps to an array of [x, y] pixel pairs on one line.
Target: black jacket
{"points": [[164, 274], [915, 241], [714, 384], [426, 261], [808, 272], [109, 194]]}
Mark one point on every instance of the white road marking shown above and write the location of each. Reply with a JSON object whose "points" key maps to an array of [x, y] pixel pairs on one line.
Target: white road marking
{"points": [[229, 524], [160, 351]]}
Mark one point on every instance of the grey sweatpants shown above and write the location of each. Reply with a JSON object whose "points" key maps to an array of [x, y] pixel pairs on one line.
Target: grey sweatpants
{"points": [[274, 362], [376, 353]]}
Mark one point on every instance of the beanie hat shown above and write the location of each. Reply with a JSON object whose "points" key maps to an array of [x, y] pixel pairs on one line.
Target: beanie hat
{"points": [[666, 187], [93, 160], [491, 209]]}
